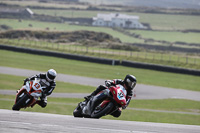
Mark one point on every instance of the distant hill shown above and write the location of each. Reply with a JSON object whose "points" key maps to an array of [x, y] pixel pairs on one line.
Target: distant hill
{"points": [[194, 4]]}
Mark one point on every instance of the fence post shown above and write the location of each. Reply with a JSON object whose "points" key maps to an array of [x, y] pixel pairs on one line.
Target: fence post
{"points": [[178, 59], [99, 52], [24, 42], [161, 56], [18, 42], [137, 54], [41, 43], [35, 42], [113, 62], [186, 59], [63, 49], [57, 46], [29, 42], [169, 58], [153, 56], [75, 48], [145, 55], [194, 61]]}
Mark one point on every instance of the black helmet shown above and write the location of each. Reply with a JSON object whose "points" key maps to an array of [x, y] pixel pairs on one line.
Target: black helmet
{"points": [[51, 75], [130, 81]]}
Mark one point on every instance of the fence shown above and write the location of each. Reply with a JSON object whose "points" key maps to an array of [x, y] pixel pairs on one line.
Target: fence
{"points": [[103, 61], [148, 57]]}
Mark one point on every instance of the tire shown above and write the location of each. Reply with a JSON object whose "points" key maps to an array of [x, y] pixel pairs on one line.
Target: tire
{"points": [[77, 112], [19, 104], [102, 111]]}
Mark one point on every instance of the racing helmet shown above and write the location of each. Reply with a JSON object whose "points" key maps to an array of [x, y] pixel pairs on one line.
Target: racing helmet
{"points": [[130, 81], [51, 75]]}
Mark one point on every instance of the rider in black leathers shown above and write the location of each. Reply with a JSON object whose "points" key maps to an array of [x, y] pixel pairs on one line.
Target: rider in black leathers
{"points": [[46, 79], [129, 83]]}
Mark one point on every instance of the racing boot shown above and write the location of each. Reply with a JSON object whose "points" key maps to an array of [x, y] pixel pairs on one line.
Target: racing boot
{"points": [[98, 89], [43, 101]]}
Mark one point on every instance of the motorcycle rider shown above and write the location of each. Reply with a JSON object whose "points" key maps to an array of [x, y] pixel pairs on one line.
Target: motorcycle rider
{"points": [[46, 79], [129, 84]]}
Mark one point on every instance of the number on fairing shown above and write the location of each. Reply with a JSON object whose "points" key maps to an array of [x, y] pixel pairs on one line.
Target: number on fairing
{"points": [[37, 86], [120, 95]]}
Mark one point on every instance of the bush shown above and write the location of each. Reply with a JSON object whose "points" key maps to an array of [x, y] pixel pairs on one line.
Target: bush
{"points": [[5, 27]]}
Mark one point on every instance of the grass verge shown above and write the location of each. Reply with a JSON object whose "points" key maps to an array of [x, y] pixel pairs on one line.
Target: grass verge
{"points": [[162, 58], [65, 106], [10, 82], [73, 67]]}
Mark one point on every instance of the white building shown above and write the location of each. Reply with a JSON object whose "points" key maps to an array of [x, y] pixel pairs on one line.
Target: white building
{"points": [[117, 20]]}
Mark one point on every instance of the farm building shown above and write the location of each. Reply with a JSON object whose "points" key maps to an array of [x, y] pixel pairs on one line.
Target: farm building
{"points": [[117, 20], [17, 12]]}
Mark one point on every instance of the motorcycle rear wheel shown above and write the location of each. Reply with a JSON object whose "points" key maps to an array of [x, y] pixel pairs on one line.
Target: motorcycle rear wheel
{"points": [[103, 111], [19, 104]]}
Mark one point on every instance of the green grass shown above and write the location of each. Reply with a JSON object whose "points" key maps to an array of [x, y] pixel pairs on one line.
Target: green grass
{"points": [[167, 104], [73, 67], [177, 60], [169, 22], [162, 104], [158, 117], [55, 105], [43, 4], [37, 25], [156, 21], [149, 57], [170, 36], [68, 13], [10, 82], [66, 106]]}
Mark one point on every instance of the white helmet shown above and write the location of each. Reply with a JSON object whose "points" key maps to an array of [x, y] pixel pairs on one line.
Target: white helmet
{"points": [[51, 75]]}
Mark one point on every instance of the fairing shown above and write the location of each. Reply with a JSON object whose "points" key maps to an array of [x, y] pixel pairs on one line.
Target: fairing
{"points": [[119, 94]]}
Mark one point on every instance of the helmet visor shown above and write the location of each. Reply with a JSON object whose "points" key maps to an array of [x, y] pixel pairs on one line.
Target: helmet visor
{"points": [[131, 84], [51, 77]]}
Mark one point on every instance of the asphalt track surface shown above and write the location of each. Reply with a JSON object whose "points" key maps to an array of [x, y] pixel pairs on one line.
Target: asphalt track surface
{"points": [[31, 122], [141, 91]]}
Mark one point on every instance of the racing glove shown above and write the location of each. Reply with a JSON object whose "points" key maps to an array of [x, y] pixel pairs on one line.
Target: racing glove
{"points": [[25, 80], [127, 103], [124, 107], [108, 83]]}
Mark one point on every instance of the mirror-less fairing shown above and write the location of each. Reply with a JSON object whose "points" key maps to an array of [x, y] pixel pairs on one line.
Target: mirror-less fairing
{"points": [[28, 95], [104, 103]]}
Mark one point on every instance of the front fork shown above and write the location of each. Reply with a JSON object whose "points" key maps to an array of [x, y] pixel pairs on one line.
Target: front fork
{"points": [[19, 93]]}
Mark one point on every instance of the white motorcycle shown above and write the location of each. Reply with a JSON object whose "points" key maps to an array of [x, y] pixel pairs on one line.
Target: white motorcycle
{"points": [[28, 95]]}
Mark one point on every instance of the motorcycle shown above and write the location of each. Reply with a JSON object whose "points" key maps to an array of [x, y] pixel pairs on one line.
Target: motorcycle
{"points": [[104, 103], [28, 95]]}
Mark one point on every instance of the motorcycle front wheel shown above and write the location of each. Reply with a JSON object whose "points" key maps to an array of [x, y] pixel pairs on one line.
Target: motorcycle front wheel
{"points": [[20, 103], [77, 111], [99, 112]]}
